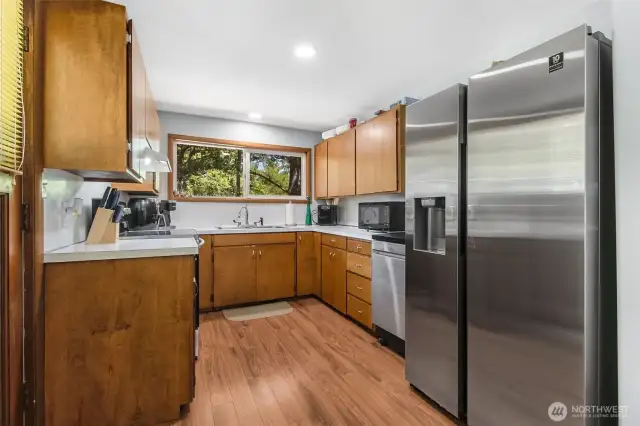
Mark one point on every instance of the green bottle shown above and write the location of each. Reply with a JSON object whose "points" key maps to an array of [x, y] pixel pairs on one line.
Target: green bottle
{"points": [[307, 221]]}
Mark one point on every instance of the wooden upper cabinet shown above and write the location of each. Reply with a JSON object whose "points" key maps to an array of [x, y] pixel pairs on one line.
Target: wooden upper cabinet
{"points": [[152, 120], [138, 103], [276, 276], [234, 275], [88, 82], [320, 163], [377, 155], [341, 170]]}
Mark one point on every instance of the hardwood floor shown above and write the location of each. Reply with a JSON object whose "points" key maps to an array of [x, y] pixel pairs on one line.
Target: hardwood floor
{"points": [[311, 367]]}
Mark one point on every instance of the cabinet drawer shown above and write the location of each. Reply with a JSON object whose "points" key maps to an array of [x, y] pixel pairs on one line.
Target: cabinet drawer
{"points": [[359, 287], [334, 241], [359, 246], [359, 310], [359, 264], [253, 239]]}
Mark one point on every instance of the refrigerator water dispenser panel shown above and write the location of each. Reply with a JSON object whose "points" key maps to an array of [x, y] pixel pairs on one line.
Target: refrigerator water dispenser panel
{"points": [[429, 225]]}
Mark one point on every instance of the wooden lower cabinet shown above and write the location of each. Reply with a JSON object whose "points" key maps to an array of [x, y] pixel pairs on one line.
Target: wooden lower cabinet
{"points": [[118, 341], [253, 273], [234, 275], [334, 277], [276, 271], [359, 310], [307, 261], [205, 274]]}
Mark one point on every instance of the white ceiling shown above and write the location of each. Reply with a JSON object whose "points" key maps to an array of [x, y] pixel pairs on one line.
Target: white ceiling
{"points": [[228, 58]]}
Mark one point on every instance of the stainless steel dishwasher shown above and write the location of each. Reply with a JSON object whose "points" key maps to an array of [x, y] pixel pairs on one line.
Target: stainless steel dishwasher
{"points": [[388, 289]]}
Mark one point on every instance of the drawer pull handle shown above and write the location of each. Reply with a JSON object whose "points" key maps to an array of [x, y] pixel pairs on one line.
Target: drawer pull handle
{"points": [[253, 253], [360, 312], [358, 265], [358, 247], [359, 288], [300, 237], [333, 241]]}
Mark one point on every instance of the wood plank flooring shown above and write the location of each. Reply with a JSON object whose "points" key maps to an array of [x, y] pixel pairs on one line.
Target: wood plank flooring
{"points": [[311, 367]]}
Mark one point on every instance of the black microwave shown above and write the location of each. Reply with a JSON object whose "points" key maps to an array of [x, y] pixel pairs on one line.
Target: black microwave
{"points": [[327, 215], [384, 216]]}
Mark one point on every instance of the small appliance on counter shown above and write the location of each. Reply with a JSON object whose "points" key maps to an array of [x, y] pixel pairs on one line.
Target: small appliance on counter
{"points": [[144, 213], [383, 216], [166, 207], [327, 215]]}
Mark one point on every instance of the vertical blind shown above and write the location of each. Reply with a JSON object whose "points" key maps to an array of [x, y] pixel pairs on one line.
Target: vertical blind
{"points": [[11, 85]]}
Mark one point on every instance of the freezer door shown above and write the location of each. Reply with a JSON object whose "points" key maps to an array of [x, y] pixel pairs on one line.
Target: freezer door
{"points": [[434, 133], [531, 180]]}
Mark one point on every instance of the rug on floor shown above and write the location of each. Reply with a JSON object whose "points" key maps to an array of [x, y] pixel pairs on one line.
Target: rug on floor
{"points": [[258, 311]]}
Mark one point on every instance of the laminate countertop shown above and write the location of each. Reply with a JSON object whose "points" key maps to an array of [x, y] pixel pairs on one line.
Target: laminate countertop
{"points": [[172, 246], [340, 230], [124, 249]]}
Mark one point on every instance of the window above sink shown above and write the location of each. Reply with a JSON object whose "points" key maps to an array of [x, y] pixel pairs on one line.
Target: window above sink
{"points": [[219, 170]]}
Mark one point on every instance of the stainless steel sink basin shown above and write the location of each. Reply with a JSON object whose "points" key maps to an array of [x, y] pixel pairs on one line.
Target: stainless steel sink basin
{"points": [[232, 227]]}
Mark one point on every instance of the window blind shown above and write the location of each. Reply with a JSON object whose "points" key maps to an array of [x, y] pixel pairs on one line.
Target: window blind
{"points": [[11, 86]]}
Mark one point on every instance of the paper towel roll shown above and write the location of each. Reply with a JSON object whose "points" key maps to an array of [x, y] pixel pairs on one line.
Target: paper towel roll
{"points": [[289, 217]]}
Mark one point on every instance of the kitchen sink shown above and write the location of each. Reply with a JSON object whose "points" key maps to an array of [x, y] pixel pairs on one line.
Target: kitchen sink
{"points": [[231, 227]]}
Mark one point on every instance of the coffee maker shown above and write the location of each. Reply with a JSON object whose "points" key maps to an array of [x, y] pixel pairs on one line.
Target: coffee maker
{"points": [[166, 207]]}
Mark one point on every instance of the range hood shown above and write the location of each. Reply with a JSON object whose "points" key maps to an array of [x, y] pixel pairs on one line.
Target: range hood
{"points": [[153, 161]]}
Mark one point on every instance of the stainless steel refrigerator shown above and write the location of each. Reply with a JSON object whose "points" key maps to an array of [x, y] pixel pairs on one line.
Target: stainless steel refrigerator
{"points": [[434, 247], [541, 281]]}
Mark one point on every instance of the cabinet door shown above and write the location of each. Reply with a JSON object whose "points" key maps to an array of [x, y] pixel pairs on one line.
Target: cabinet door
{"points": [[377, 155], [276, 271], [341, 160], [306, 264], [334, 277], [138, 105], [320, 161], [205, 273], [234, 275], [327, 274]]}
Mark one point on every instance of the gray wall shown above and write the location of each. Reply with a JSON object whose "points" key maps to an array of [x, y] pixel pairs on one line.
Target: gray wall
{"points": [[626, 63], [203, 215]]}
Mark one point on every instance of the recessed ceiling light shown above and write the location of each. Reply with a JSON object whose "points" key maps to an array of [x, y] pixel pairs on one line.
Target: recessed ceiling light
{"points": [[304, 51], [255, 116]]}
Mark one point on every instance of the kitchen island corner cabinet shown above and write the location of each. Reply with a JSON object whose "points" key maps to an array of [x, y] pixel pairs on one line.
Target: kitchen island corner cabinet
{"points": [[119, 341]]}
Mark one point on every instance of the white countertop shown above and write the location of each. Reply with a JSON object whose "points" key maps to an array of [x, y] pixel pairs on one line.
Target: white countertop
{"points": [[162, 247], [340, 230], [123, 249]]}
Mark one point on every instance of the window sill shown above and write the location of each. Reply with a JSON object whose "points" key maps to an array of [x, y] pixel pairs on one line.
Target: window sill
{"points": [[234, 200]]}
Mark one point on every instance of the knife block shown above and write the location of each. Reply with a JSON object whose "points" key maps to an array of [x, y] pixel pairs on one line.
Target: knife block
{"points": [[103, 231]]}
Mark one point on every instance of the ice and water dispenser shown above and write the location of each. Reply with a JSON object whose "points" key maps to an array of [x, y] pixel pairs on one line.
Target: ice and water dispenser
{"points": [[430, 224]]}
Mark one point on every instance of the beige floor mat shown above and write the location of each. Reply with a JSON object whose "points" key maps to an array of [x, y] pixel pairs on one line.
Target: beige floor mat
{"points": [[258, 311]]}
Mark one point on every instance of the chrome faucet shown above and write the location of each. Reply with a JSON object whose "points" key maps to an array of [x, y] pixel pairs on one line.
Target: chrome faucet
{"points": [[246, 216]]}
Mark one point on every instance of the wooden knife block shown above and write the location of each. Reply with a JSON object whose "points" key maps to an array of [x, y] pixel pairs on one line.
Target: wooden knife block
{"points": [[103, 231]]}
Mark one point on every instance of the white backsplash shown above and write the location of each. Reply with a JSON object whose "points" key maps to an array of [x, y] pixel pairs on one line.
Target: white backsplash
{"points": [[61, 227], [207, 215]]}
